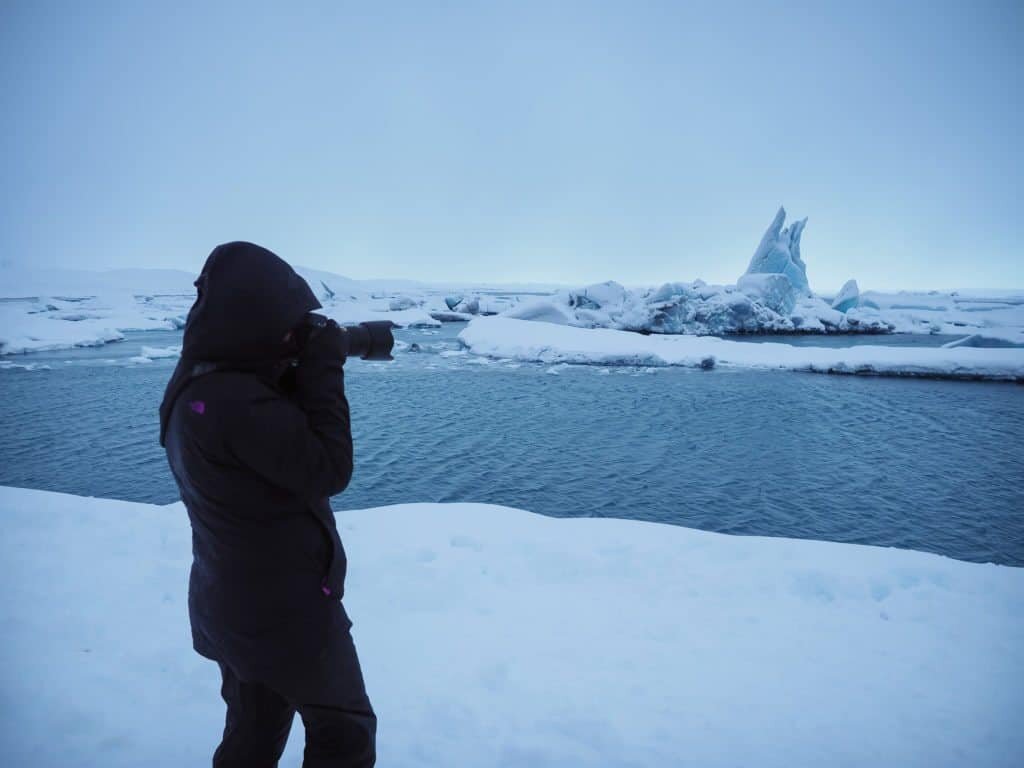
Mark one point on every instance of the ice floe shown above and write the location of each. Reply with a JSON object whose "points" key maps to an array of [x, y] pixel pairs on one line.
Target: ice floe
{"points": [[547, 343]]}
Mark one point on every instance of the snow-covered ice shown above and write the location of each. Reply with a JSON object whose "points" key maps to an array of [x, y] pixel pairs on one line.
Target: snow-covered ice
{"points": [[547, 343], [766, 303], [490, 636], [61, 309], [774, 296], [66, 308]]}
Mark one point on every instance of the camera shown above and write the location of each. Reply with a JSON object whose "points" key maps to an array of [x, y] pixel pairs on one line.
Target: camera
{"points": [[370, 340]]}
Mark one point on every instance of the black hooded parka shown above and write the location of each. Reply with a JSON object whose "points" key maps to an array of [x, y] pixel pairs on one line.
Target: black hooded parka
{"points": [[258, 438]]}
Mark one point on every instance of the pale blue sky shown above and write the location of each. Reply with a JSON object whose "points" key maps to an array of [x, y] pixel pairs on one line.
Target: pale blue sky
{"points": [[533, 141]]}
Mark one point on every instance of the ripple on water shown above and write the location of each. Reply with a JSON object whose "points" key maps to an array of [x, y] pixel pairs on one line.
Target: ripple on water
{"points": [[930, 465]]}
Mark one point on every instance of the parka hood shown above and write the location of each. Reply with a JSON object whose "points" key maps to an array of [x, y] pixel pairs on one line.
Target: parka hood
{"points": [[248, 299]]}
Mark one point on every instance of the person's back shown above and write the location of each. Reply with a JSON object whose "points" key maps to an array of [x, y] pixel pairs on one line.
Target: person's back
{"points": [[256, 427]]}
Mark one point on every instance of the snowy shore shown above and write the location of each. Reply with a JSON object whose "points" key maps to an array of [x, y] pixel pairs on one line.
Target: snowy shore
{"points": [[494, 637], [62, 309], [508, 338]]}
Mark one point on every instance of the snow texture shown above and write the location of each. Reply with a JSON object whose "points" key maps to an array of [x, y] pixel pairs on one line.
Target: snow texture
{"points": [[490, 636], [503, 337]]}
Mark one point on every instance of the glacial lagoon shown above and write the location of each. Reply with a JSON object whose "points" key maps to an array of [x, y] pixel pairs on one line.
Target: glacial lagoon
{"points": [[922, 464]]}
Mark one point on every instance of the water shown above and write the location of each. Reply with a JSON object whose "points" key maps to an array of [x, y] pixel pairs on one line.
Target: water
{"points": [[929, 465]]}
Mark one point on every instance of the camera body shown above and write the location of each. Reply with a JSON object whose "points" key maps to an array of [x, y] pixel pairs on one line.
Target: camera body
{"points": [[370, 340]]}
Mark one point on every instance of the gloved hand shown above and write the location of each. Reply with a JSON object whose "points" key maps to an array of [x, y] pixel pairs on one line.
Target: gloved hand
{"points": [[319, 379], [326, 340]]}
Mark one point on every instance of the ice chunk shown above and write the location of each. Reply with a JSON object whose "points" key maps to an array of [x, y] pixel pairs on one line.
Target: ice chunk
{"points": [[607, 294], [776, 291], [155, 353], [399, 303], [450, 317], [470, 305], [541, 310], [702, 311], [779, 252], [847, 298]]}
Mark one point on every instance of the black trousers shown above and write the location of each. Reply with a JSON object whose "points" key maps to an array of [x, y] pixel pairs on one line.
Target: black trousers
{"points": [[340, 725]]}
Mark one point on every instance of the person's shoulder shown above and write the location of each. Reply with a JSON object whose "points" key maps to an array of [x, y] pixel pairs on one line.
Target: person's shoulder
{"points": [[228, 396]]}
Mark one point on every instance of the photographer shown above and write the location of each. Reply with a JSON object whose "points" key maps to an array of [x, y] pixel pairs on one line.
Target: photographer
{"points": [[256, 427]]}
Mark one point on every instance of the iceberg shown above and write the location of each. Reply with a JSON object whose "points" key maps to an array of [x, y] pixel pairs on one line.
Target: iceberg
{"points": [[779, 252], [714, 645], [847, 298], [774, 290], [399, 303], [773, 296]]}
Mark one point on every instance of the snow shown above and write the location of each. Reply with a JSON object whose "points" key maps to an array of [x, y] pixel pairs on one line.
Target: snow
{"points": [[61, 309], [490, 636], [543, 342]]}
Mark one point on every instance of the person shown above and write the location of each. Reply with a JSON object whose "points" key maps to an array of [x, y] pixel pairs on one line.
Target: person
{"points": [[255, 423]]}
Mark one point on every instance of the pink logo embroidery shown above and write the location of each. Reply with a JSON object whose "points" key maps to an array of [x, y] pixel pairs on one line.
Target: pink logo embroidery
{"points": [[198, 406]]}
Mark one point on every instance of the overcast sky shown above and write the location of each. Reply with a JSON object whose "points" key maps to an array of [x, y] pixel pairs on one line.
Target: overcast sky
{"points": [[538, 141]]}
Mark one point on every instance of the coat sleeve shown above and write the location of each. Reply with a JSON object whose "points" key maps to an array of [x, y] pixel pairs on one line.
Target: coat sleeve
{"points": [[302, 445]]}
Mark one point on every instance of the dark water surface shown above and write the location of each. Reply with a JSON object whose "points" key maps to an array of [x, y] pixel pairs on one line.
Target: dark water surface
{"points": [[930, 465]]}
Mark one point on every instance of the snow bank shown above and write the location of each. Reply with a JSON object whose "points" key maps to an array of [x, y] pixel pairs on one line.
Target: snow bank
{"points": [[491, 636], [544, 342]]}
